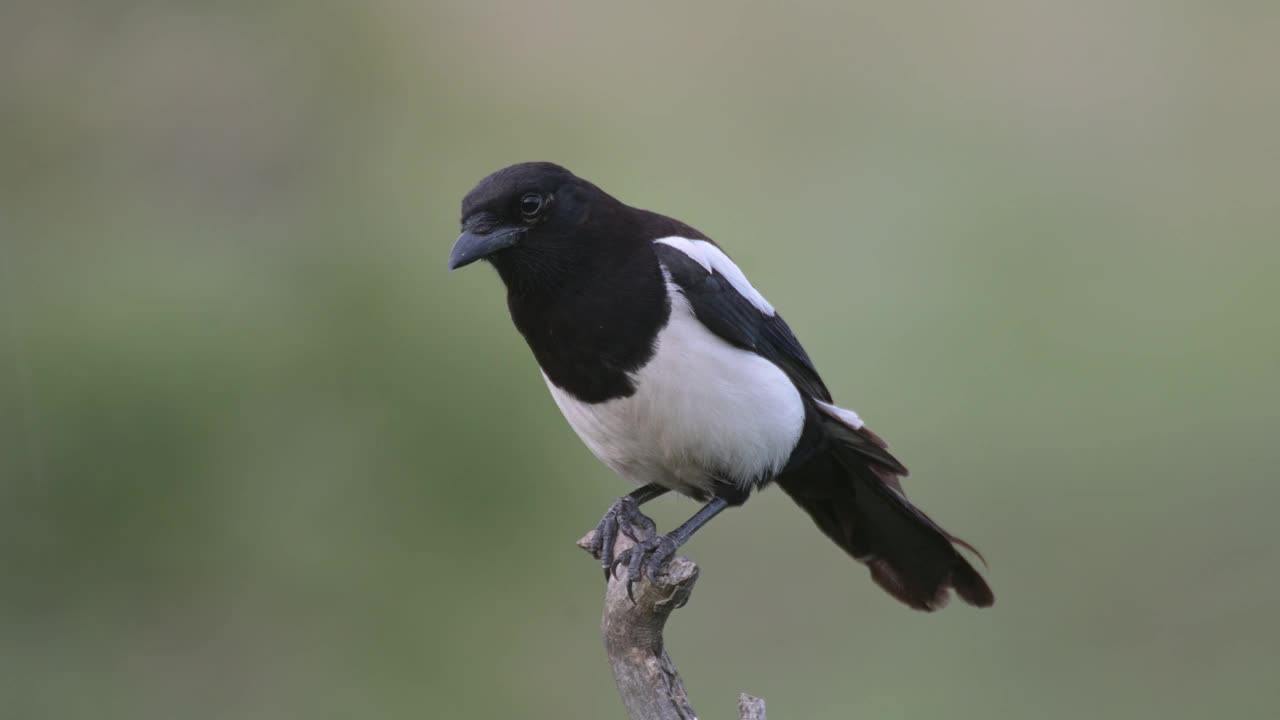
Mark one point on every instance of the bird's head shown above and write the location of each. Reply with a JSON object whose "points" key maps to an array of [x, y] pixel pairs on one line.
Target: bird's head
{"points": [[530, 214]]}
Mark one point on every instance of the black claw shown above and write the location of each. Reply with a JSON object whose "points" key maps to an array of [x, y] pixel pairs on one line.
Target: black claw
{"points": [[638, 526], [623, 516], [612, 570], [635, 570], [660, 556], [645, 558], [608, 534]]}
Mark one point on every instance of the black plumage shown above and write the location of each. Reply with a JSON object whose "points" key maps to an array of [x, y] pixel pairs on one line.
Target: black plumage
{"points": [[652, 342]]}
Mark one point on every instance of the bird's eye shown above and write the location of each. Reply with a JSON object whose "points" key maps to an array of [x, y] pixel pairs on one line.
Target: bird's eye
{"points": [[530, 205]]}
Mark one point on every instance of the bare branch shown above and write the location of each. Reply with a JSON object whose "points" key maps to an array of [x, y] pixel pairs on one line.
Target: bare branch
{"points": [[646, 677]]}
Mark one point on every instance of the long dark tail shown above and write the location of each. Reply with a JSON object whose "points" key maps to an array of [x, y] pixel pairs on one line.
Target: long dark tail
{"points": [[851, 490]]}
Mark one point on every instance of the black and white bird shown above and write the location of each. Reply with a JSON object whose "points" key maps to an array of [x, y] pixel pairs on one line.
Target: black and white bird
{"points": [[679, 375]]}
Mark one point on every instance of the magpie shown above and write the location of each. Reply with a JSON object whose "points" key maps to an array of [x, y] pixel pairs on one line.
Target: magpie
{"points": [[679, 375]]}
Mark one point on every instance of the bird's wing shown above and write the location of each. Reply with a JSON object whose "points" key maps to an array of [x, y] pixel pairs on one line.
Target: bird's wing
{"points": [[725, 302], [730, 307]]}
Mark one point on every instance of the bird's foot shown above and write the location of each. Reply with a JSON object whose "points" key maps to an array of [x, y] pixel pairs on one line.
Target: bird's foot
{"points": [[622, 516], [646, 557]]}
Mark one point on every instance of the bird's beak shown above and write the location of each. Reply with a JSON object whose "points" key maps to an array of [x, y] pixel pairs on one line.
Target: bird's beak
{"points": [[472, 246]]}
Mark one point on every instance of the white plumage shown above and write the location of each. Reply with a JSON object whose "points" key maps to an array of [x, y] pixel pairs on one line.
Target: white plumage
{"points": [[702, 410], [844, 415], [713, 259]]}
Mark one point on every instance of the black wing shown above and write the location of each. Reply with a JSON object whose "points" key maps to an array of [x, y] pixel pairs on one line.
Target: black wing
{"points": [[725, 312]]}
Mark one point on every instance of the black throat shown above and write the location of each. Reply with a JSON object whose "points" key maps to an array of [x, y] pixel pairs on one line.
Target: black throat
{"points": [[590, 309]]}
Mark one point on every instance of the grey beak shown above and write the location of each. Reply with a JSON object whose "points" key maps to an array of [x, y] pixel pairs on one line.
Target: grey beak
{"points": [[473, 246]]}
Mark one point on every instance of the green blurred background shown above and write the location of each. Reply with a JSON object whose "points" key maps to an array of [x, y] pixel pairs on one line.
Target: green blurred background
{"points": [[262, 457]]}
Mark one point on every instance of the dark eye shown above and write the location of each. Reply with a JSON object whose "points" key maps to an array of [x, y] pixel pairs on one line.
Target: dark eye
{"points": [[531, 205]]}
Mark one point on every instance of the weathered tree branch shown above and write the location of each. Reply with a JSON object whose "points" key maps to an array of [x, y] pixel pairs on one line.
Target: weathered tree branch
{"points": [[645, 675], [750, 707]]}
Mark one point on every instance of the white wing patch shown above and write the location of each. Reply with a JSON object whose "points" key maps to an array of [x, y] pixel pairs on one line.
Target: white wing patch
{"points": [[714, 260], [848, 417]]}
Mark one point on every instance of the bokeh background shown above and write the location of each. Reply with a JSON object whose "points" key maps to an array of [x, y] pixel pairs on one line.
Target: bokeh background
{"points": [[262, 457]]}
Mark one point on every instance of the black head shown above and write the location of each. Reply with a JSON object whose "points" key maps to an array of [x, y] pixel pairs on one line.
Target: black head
{"points": [[533, 210]]}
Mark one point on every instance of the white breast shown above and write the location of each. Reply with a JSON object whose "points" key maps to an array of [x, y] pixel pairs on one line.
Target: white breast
{"points": [[702, 410]]}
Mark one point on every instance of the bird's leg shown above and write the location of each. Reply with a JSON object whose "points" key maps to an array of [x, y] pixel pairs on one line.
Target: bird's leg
{"points": [[661, 548], [624, 514]]}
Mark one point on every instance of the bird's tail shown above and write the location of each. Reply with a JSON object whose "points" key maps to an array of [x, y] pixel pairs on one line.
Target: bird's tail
{"points": [[851, 490]]}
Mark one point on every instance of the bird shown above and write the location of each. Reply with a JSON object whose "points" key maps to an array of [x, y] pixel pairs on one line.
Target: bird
{"points": [[678, 374]]}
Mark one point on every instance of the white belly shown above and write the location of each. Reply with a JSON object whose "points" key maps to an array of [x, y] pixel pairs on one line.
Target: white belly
{"points": [[703, 411]]}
